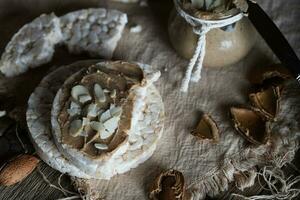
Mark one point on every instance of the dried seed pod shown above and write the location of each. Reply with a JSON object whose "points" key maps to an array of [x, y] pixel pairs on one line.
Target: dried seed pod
{"points": [[18, 169], [250, 124], [207, 129], [266, 102], [168, 185]]}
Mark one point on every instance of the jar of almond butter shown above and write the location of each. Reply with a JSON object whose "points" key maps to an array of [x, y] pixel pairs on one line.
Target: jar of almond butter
{"points": [[225, 44]]}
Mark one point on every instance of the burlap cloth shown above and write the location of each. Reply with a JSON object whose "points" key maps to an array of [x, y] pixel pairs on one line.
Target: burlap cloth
{"points": [[208, 168]]}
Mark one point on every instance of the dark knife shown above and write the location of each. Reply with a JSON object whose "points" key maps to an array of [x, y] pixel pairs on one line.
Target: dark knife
{"points": [[274, 38]]}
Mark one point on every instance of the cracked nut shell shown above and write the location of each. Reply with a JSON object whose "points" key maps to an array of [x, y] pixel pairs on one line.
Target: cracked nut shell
{"points": [[250, 124], [270, 75], [266, 101], [169, 185], [207, 129]]}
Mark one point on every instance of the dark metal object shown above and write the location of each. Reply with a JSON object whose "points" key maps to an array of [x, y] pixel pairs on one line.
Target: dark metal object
{"points": [[274, 38]]}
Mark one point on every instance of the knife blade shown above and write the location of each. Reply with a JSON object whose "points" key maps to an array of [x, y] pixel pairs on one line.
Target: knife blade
{"points": [[274, 38]]}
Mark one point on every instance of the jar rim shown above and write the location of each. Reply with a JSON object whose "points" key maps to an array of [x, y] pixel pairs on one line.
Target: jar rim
{"points": [[179, 7]]}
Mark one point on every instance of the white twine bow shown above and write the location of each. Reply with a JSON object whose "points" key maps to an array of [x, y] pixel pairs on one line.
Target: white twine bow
{"points": [[200, 27]]}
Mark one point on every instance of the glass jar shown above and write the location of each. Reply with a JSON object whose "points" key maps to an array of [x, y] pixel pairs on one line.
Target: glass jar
{"points": [[224, 46]]}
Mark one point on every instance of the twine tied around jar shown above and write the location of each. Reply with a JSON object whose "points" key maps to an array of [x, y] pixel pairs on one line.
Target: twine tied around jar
{"points": [[200, 27]]}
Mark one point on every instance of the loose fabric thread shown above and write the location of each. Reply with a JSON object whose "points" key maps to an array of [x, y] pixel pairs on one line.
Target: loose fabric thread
{"points": [[200, 27], [280, 186]]}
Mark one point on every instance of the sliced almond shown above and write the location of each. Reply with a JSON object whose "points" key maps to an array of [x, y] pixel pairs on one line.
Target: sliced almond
{"points": [[84, 98], [84, 133], [97, 126], [101, 146], [112, 124], [76, 127], [105, 116], [105, 134], [267, 101], [250, 125], [101, 130], [168, 185], [99, 93], [115, 111], [207, 129], [113, 94], [80, 93], [106, 91], [85, 121], [74, 109], [93, 110]]}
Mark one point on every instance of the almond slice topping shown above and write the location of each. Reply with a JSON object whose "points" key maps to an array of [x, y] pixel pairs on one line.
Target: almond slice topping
{"points": [[99, 93], [101, 146], [80, 93]]}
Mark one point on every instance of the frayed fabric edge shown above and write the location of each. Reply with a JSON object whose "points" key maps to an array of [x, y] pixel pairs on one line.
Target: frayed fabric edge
{"points": [[243, 171], [277, 183]]}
